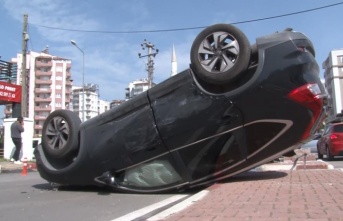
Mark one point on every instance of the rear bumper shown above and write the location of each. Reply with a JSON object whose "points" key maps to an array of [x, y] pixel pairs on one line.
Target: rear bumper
{"points": [[337, 148]]}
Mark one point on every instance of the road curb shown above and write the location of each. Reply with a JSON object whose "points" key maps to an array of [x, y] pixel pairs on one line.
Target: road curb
{"points": [[9, 167], [289, 165]]}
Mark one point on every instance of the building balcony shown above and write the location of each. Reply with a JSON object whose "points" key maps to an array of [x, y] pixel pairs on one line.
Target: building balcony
{"points": [[48, 108], [39, 99], [43, 73], [48, 82], [43, 64], [37, 117], [38, 127], [43, 90]]}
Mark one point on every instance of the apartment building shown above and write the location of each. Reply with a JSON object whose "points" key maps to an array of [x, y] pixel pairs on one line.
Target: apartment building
{"points": [[333, 75], [85, 101], [49, 85], [116, 103], [103, 106], [136, 87]]}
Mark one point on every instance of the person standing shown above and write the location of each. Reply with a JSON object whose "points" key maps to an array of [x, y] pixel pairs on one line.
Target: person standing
{"points": [[17, 128]]}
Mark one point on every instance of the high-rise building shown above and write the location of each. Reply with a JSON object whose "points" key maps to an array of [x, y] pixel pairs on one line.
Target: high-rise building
{"points": [[333, 76], [48, 85], [85, 101]]}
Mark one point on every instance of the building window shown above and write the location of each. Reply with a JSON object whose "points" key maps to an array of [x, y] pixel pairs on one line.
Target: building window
{"points": [[340, 59]]}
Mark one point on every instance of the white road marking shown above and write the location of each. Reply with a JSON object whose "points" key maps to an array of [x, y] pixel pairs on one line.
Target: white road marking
{"points": [[138, 213], [180, 206]]}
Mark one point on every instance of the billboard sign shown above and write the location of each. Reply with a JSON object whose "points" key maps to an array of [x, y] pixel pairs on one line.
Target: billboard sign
{"points": [[10, 93]]}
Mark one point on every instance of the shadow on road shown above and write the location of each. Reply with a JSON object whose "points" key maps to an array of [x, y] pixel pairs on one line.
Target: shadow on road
{"points": [[49, 187], [107, 190]]}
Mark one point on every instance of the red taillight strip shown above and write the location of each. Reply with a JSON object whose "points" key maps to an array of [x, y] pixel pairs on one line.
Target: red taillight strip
{"points": [[333, 136], [308, 95]]}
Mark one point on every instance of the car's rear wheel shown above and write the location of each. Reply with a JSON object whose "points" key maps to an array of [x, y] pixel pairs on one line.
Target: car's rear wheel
{"points": [[328, 154], [60, 135], [220, 54]]}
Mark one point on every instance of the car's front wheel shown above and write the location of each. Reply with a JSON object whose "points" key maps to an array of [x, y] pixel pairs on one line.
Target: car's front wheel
{"points": [[60, 135], [220, 54], [320, 156], [328, 154]]}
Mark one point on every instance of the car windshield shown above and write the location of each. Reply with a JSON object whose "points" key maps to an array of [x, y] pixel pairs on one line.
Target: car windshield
{"points": [[338, 128]]}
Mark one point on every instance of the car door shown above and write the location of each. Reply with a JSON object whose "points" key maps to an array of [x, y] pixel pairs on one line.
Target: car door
{"points": [[203, 131], [128, 135]]}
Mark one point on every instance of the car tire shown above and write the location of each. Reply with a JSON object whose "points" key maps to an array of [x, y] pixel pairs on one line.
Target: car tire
{"points": [[220, 54], [328, 154], [60, 134]]}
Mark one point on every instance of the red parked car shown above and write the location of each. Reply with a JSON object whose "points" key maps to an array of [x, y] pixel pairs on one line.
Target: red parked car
{"points": [[331, 142]]}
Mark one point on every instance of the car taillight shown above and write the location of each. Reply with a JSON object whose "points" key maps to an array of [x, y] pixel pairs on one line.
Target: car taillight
{"points": [[310, 96], [333, 136]]}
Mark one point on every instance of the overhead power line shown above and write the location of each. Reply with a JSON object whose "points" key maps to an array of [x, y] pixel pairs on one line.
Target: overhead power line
{"points": [[189, 28]]}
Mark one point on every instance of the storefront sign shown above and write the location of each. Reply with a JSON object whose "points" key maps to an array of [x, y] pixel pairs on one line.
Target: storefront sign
{"points": [[10, 92]]}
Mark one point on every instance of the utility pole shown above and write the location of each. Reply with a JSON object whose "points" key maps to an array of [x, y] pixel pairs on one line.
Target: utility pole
{"points": [[150, 63], [23, 69], [20, 109]]}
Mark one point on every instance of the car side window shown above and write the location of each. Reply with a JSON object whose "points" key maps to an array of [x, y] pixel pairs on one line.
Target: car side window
{"points": [[327, 130], [156, 173], [338, 128]]}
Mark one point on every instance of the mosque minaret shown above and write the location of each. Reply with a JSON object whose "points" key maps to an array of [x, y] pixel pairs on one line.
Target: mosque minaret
{"points": [[174, 63]]}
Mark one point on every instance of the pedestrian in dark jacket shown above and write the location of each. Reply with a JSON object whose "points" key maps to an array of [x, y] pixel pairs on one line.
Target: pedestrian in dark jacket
{"points": [[17, 128]]}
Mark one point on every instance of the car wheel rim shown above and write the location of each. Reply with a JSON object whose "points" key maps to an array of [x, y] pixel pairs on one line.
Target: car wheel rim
{"points": [[218, 52], [57, 133]]}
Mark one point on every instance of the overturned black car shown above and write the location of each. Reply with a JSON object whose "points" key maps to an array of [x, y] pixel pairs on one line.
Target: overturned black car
{"points": [[237, 106]]}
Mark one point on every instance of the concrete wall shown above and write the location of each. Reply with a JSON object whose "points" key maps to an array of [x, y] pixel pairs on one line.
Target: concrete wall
{"points": [[27, 137]]}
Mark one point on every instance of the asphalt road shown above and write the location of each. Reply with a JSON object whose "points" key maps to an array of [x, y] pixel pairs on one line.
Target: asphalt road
{"points": [[32, 198], [337, 162]]}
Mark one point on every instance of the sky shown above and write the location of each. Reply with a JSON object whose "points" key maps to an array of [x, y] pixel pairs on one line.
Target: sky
{"points": [[110, 32]]}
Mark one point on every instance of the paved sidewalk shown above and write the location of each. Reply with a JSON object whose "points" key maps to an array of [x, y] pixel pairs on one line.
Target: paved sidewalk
{"points": [[308, 189], [271, 195]]}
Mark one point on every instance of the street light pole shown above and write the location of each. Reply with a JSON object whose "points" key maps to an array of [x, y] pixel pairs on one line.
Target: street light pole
{"points": [[83, 79]]}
